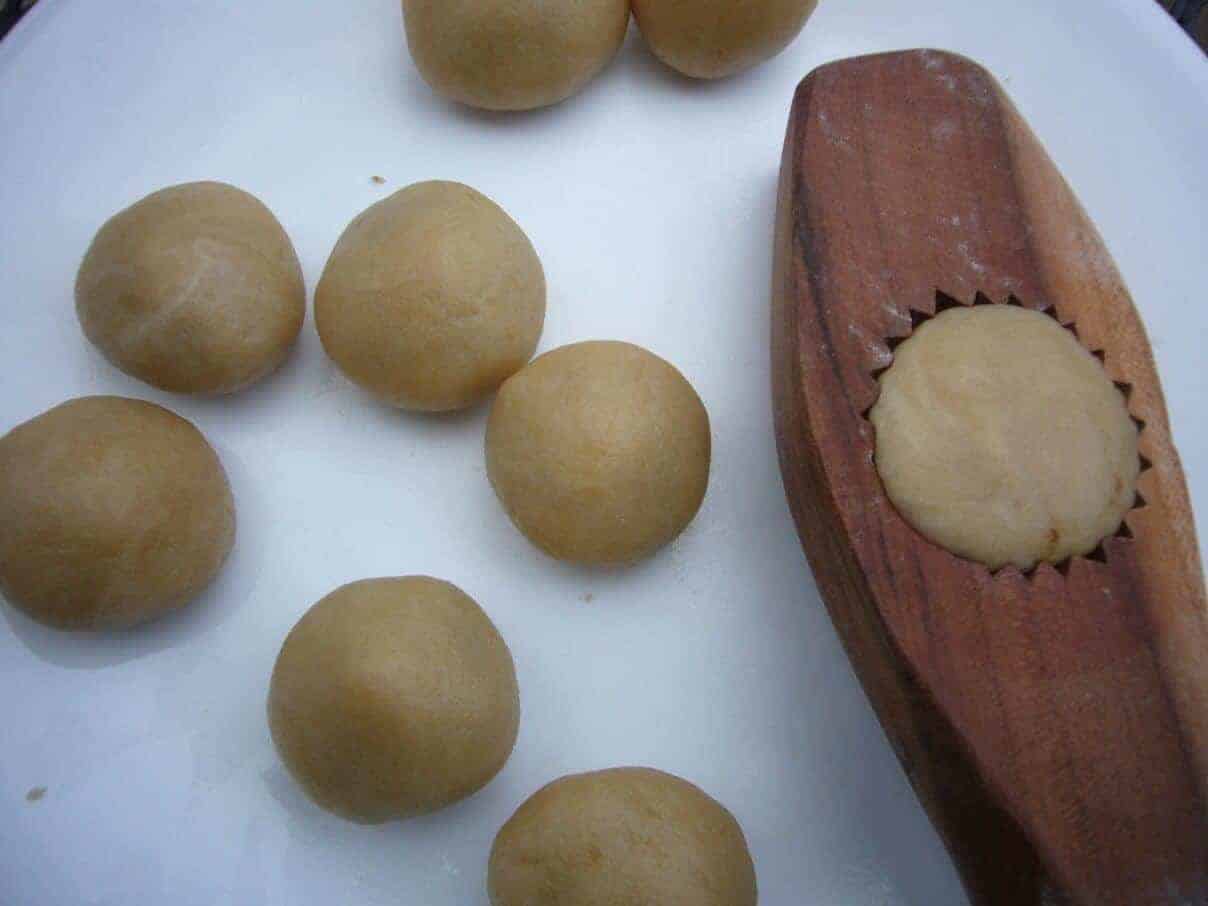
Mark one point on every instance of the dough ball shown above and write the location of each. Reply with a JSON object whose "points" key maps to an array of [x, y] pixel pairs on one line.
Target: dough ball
{"points": [[513, 54], [112, 512], [432, 298], [194, 289], [708, 39], [393, 698], [622, 836], [1001, 439], [599, 452]]}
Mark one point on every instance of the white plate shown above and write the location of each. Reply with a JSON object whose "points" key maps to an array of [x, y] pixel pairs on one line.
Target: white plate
{"points": [[650, 201]]}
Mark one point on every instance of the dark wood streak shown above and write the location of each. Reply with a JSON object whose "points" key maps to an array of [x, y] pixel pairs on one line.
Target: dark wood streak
{"points": [[1055, 726]]}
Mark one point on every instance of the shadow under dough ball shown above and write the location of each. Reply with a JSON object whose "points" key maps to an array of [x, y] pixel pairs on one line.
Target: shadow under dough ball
{"points": [[513, 54], [194, 289], [625, 835], [709, 39], [431, 298], [393, 698], [599, 452], [112, 512]]}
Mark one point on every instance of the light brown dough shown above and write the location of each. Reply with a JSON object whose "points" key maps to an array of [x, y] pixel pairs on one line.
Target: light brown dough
{"points": [[1000, 438], [194, 289], [112, 512], [621, 837], [513, 54], [431, 298], [709, 39], [393, 698], [599, 452]]}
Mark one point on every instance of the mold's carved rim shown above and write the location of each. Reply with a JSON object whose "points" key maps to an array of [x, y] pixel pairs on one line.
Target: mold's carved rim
{"points": [[945, 301]]}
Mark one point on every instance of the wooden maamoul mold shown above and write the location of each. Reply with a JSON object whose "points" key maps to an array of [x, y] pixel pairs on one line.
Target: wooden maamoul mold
{"points": [[1054, 724]]}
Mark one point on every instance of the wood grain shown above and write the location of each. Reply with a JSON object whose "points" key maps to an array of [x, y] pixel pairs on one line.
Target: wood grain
{"points": [[1055, 725]]}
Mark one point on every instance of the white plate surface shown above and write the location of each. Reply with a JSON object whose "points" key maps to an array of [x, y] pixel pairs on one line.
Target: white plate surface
{"points": [[650, 201]]}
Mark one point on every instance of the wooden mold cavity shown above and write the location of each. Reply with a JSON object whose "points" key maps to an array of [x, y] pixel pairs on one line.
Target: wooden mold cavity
{"points": [[946, 301]]}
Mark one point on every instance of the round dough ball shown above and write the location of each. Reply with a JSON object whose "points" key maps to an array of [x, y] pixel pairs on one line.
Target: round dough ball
{"points": [[1001, 439], [112, 512], [393, 698], [599, 452], [709, 39], [626, 835], [513, 54], [431, 298], [194, 289]]}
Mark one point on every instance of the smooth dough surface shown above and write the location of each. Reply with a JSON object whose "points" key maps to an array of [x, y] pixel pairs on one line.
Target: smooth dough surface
{"points": [[599, 452], [194, 289], [621, 837], [112, 512], [1002, 439], [393, 698], [431, 298], [513, 54], [709, 39]]}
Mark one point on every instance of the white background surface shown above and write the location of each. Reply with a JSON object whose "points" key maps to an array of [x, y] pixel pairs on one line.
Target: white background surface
{"points": [[650, 201]]}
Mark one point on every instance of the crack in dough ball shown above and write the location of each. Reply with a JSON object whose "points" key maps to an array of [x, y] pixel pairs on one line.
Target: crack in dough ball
{"points": [[431, 298], [621, 836], [513, 54], [709, 39], [113, 511], [599, 452], [194, 289], [393, 698], [1001, 438]]}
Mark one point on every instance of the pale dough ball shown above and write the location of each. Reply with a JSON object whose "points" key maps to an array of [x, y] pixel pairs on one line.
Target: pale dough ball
{"points": [[112, 512], [194, 289], [599, 452], [393, 698], [619, 837], [1000, 438], [513, 54], [431, 298], [709, 39]]}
